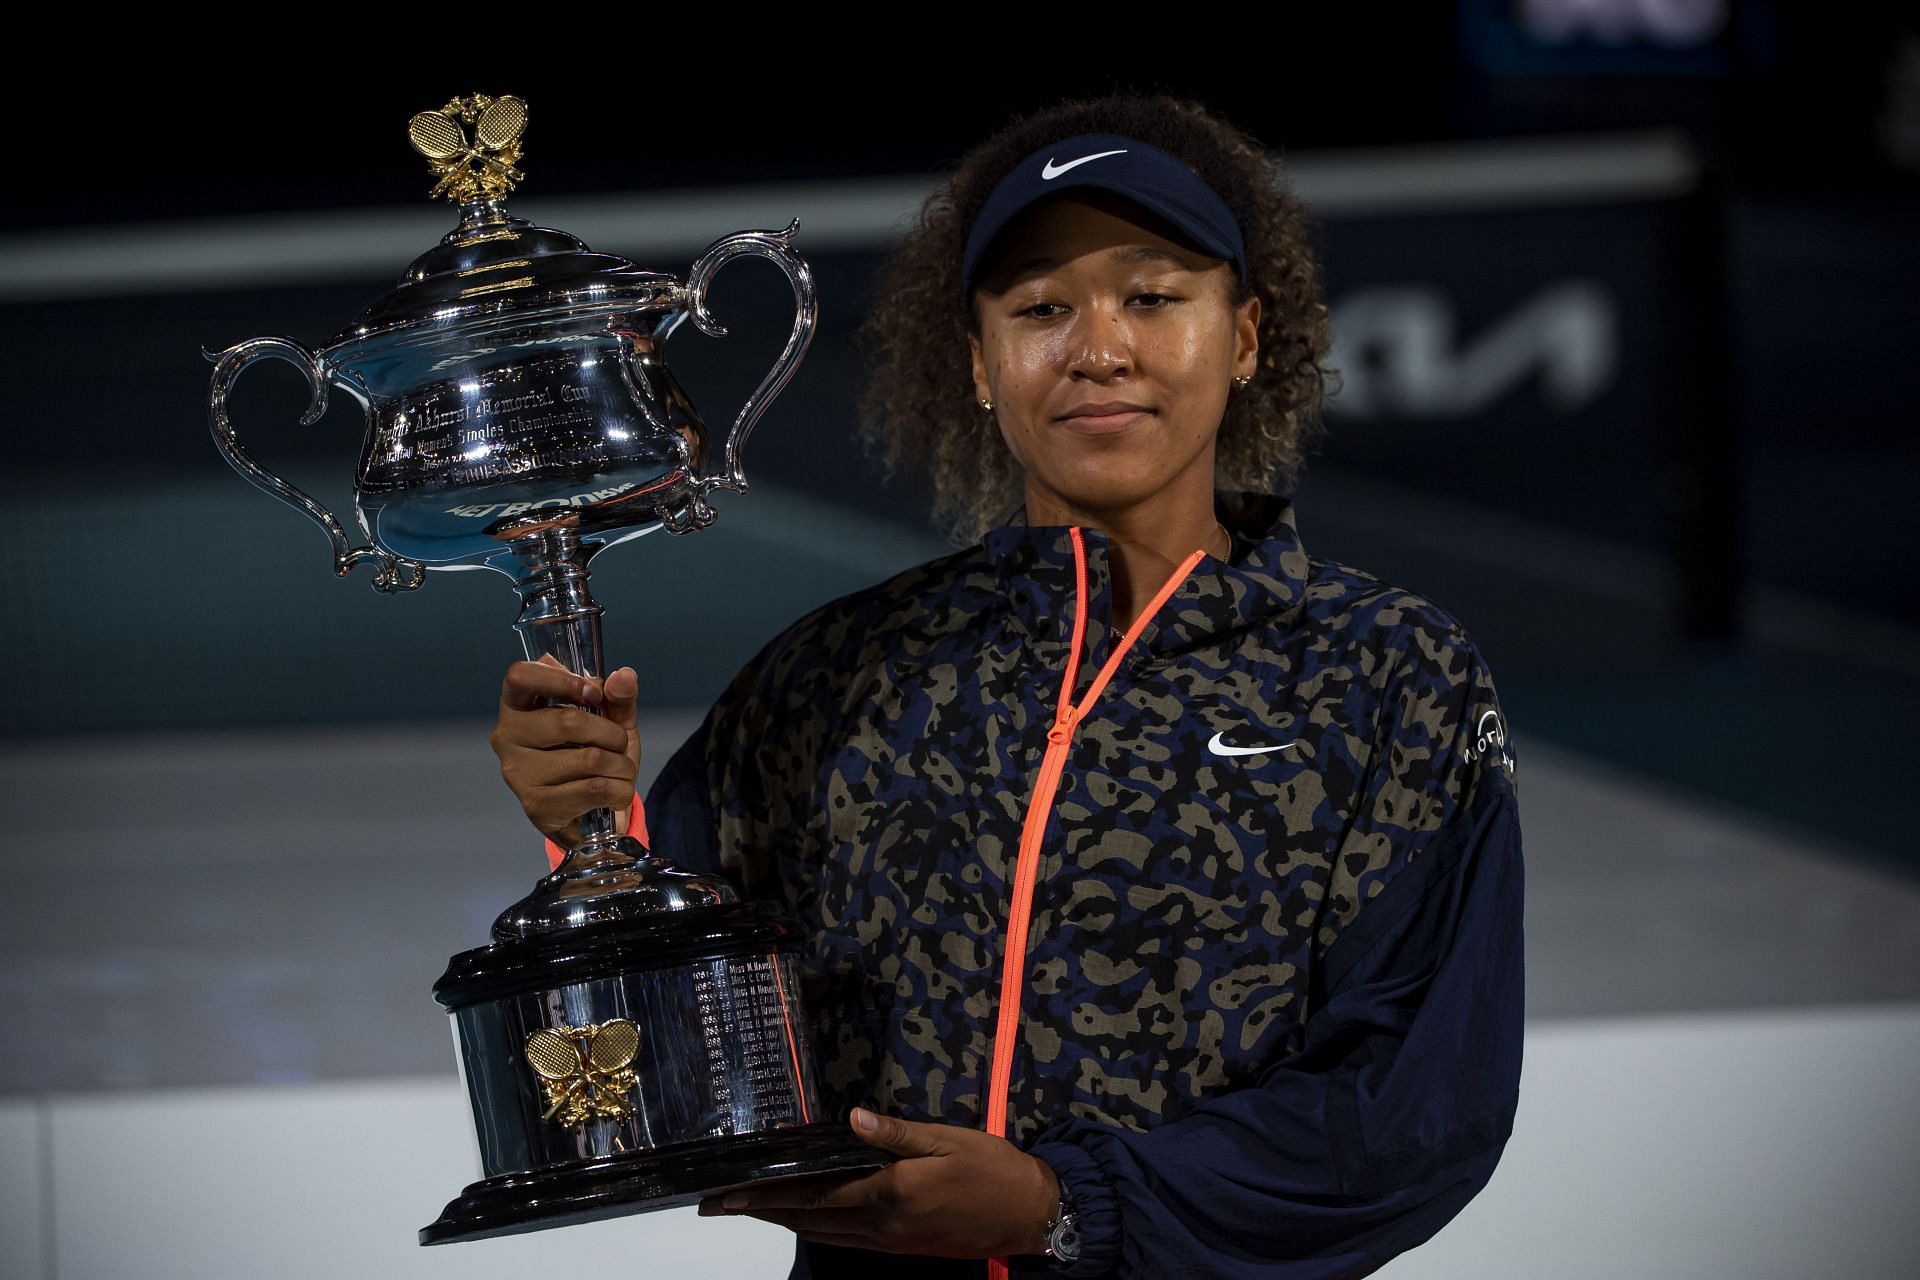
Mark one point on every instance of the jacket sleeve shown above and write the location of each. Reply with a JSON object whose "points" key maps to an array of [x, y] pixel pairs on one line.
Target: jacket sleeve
{"points": [[1392, 1112], [727, 800], [679, 807]]}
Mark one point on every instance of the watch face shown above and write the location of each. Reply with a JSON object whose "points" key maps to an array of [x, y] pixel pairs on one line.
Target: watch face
{"points": [[1063, 1241]]}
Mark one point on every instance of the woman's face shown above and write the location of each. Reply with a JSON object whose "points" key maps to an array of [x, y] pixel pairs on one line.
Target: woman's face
{"points": [[1108, 351]]}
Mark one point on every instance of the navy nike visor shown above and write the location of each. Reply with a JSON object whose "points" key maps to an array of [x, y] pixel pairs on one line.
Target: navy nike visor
{"points": [[1125, 166]]}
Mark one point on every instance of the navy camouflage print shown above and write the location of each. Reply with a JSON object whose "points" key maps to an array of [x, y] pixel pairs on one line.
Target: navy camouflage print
{"points": [[873, 765]]}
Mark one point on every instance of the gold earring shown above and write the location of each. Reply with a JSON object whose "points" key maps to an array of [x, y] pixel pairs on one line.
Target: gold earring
{"points": [[986, 404], [1240, 383]]}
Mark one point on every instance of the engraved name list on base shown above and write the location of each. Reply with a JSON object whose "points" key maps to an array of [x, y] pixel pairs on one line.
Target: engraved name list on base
{"points": [[749, 1044]]}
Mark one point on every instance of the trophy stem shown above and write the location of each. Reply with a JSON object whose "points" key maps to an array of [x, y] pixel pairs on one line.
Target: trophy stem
{"points": [[607, 876], [560, 619]]}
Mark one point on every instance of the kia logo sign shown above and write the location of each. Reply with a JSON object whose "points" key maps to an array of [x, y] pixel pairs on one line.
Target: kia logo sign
{"points": [[1399, 352]]}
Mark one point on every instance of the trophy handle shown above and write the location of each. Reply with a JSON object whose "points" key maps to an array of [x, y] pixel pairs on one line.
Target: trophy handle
{"points": [[393, 573], [761, 244]]}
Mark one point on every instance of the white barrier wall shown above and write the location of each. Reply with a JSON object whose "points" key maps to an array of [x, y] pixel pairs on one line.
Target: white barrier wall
{"points": [[1778, 1144]]}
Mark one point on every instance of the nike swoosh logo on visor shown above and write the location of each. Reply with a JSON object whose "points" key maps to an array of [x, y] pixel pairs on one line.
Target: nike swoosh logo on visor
{"points": [[1051, 170], [1218, 746]]}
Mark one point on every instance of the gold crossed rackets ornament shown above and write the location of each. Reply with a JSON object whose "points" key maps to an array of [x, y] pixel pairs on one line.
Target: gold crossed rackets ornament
{"points": [[586, 1072], [476, 167]]}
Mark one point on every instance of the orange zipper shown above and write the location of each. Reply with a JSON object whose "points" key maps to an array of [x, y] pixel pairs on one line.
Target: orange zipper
{"points": [[1067, 717]]}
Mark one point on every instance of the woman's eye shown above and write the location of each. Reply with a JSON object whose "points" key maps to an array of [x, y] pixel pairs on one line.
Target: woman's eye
{"points": [[1041, 310], [1151, 299]]}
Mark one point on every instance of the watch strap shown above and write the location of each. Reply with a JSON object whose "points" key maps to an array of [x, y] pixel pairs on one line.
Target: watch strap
{"points": [[1063, 1234]]}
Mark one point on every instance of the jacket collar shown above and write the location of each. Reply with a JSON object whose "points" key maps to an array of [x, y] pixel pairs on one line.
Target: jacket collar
{"points": [[1264, 580]]}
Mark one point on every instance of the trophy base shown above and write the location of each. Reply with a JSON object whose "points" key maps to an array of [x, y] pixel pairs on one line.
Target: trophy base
{"points": [[642, 1181]]}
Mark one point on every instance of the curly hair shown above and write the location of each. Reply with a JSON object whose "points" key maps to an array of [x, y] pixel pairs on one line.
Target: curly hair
{"points": [[919, 406]]}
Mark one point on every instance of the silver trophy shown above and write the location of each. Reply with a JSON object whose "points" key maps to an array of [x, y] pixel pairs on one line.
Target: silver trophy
{"points": [[632, 1039]]}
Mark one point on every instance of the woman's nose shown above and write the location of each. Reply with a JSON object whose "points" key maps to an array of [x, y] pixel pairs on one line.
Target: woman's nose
{"points": [[1102, 346]]}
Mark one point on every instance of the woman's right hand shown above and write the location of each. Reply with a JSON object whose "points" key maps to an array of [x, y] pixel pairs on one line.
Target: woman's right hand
{"points": [[561, 761]]}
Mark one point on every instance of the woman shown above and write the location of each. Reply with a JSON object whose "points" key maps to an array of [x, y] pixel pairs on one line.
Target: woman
{"points": [[1164, 881]]}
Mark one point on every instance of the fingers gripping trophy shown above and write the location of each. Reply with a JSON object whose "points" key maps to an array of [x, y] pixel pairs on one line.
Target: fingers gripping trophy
{"points": [[631, 1039]]}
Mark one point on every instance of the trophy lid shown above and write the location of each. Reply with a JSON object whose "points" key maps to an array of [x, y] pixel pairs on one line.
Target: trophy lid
{"points": [[493, 262]]}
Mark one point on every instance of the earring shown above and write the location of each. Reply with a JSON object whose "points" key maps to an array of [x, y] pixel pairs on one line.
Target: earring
{"points": [[1240, 383], [986, 404]]}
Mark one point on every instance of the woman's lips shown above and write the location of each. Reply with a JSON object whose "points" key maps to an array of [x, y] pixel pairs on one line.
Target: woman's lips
{"points": [[1102, 420]]}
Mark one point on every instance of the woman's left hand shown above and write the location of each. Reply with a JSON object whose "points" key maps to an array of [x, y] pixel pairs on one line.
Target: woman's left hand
{"points": [[952, 1193]]}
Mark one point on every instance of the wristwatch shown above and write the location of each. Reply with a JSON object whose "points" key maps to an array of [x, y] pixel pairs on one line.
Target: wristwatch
{"points": [[1063, 1233]]}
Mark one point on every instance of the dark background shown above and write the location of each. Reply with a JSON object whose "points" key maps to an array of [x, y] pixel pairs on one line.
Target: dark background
{"points": [[1701, 566]]}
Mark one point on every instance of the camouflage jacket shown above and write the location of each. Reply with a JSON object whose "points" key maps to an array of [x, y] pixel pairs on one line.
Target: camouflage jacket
{"points": [[1271, 1018]]}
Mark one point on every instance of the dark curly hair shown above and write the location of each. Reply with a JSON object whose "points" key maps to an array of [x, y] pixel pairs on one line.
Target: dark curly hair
{"points": [[919, 406]]}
